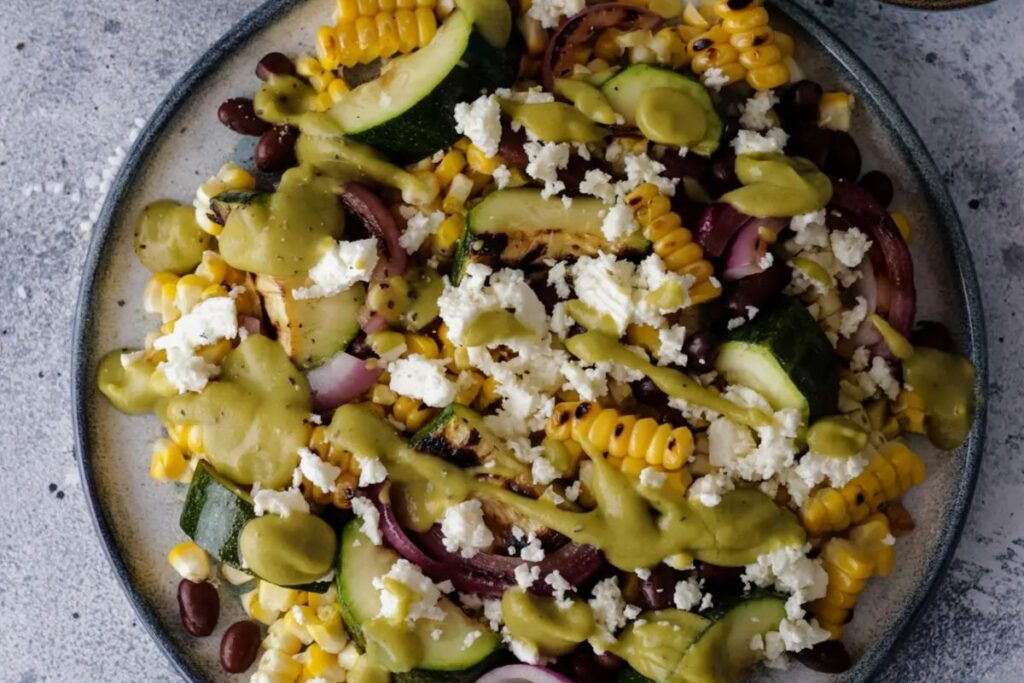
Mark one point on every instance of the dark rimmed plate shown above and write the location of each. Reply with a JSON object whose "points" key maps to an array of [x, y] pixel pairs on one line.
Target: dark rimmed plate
{"points": [[937, 4], [183, 144]]}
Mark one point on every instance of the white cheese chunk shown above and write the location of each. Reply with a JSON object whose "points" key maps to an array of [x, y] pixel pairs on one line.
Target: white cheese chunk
{"points": [[341, 267]]}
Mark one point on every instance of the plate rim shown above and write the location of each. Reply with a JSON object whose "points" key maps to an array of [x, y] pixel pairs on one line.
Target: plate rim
{"points": [[909, 143]]}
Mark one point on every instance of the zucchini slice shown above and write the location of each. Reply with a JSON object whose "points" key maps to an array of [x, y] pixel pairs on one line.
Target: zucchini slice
{"points": [[214, 514], [408, 113], [783, 355], [518, 227], [655, 644], [311, 330], [360, 563], [722, 653]]}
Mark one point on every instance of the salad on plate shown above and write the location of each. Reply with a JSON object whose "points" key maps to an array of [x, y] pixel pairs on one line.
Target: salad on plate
{"points": [[539, 341]]}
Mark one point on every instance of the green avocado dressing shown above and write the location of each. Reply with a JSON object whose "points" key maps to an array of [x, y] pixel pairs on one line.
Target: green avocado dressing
{"points": [[286, 99], [836, 436], [587, 98], [777, 185], [167, 238], [284, 234], [594, 347], [669, 116], [943, 381], [134, 387], [654, 644], [554, 121], [288, 551], [254, 419], [634, 526], [554, 629]]}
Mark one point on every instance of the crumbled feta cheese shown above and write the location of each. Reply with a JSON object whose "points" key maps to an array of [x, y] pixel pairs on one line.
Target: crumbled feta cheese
{"points": [[793, 635], [809, 229], [471, 638], [619, 222], [598, 184], [543, 472], [544, 161], [502, 177], [556, 278], [492, 613], [687, 594], [643, 574], [480, 121], [756, 112], [849, 246], [561, 322], [861, 359], [652, 478], [323, 474], [789, 570], [436, 634], [209, 321], [751, 142], [706, 602], [814, 468], [560, 588], [186, 371], [736, 322], [641, 169], [548, 12], [572, 492], [849, 321], [341, 267], [524, 651], [766, 261], [889, 539], [708, 489], [532, 551], [608, 605], [371, 471], [482, 290], [282, 503], [463, 529], [446, 586], [605, 284], [418, 228], [714, 78], [526, 575], [395, 605], [420, 377], [752, 312], [590, 383], [367, 511]]}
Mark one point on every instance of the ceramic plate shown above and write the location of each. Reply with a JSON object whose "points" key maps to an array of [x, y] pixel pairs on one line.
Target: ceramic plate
{"points": [[183, 144], [937, 4]]}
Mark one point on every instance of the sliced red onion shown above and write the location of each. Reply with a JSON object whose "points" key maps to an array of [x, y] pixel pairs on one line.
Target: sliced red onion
{"points": [[866, 286], [372, 322], [892, 262], [575, 562], [522, 673], [745, 252], [467, 582], [379, 220], [339, 380], [252, 324], [717, 226], [581, 27]]}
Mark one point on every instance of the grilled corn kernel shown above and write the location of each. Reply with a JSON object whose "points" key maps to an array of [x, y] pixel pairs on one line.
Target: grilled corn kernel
{"points": [[275, 597], [256, 610], [190, 561], [835, 109]]}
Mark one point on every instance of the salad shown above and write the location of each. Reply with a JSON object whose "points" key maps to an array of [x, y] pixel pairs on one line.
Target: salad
{"points": [[539, 341]]}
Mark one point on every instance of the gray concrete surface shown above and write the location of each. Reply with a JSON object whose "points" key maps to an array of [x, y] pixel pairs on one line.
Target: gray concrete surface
{"points": [[76, 76]]}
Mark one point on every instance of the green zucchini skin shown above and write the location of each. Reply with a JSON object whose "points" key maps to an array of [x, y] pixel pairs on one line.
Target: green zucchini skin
{"points": [[794, 338], [214, 514], [429, 125]]}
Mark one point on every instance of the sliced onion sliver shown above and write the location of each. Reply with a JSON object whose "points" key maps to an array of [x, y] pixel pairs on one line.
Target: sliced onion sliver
{"points": [[252, 324], [339, 380], [522, 673], [717, 226], [379, 220], [743, 257], [866, 286]]}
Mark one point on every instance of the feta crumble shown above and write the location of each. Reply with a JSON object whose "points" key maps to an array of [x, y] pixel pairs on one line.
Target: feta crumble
{"points": [[394, 602], [608, 605], [341, 267], [419, 377], [371, 471], [849, 246], [418, 228], [560, 588], [548, 12], [463, 529], [756, 111], [772, 141], [687, 594], [715, 79], [599, 184], [619, 222], [480, 121], [652, 478], [370, 516], [544, 161], [322, 474], [281, 503]]}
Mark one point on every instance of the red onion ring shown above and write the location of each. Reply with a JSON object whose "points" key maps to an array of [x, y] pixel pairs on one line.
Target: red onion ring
{"points": [[868, 287], [522, 673], [892, 262], [744, 254], [717, 226], [339, 380], [560, 54], [252, 324], [379, 220]]}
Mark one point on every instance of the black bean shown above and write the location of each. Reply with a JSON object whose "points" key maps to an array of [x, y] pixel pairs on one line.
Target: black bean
{"points": [[843, 156], [810, 142], [933, 334], [800, 101], [238, 115], [701, 351], [647, 393], [199, 606], [828, 657], [723, 172], [239, 646], [730, 128], [583, 666], [879, 185], [658, 590], [359, 348], [274, 64], [607, 660], [756, 290], [275, 150], [717, 577]]}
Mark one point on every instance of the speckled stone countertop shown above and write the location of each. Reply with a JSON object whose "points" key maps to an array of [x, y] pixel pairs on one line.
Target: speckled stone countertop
{"points": [[76, 77]]}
